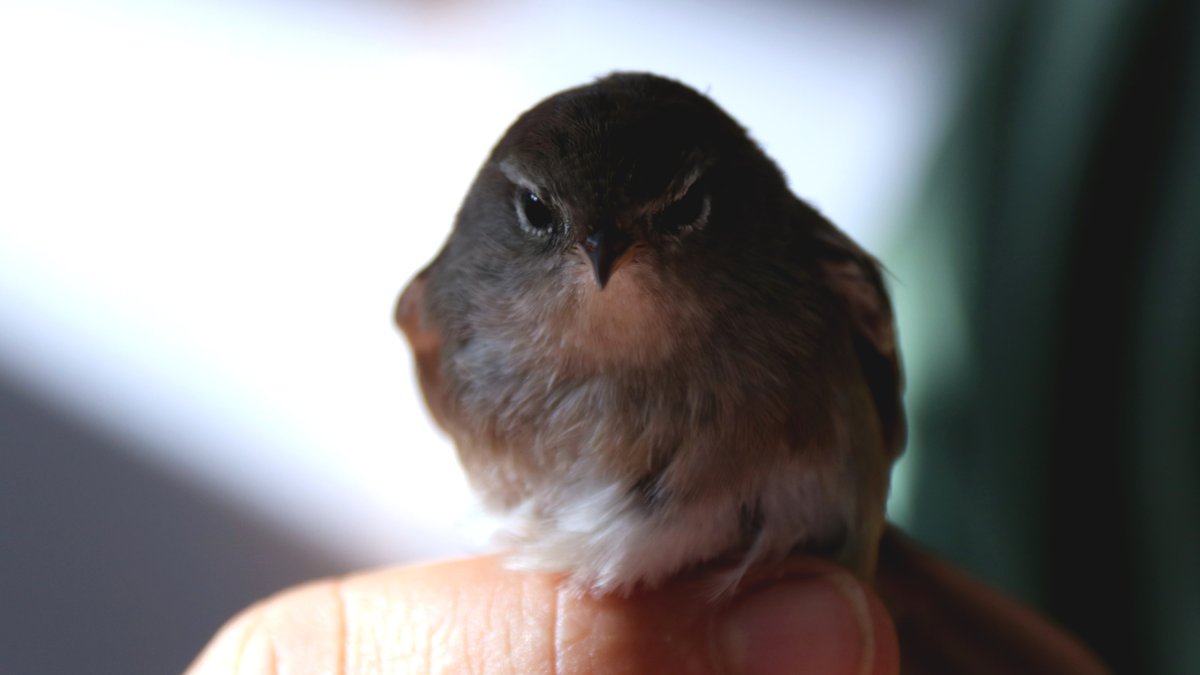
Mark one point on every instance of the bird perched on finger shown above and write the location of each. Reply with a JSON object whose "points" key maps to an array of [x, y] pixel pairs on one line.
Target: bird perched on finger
{"points": [[650, 354]]}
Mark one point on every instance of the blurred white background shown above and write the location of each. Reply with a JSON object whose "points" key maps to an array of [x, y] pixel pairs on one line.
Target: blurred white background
{"points": [[207, 209]]}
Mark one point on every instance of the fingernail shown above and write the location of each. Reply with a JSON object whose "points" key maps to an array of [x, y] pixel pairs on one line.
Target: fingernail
{"points": [[819, 624]]}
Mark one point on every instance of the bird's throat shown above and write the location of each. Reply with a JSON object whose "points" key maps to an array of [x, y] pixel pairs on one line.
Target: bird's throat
{"points": [[631, 321]]}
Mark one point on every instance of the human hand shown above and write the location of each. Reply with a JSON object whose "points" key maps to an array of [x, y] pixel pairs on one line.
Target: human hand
{"points": [[473, 615]]}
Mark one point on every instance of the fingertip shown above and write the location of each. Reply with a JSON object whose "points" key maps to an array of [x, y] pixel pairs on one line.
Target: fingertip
{"points": [[223, 653], [826, 623], [297, 630], [811, 617]]}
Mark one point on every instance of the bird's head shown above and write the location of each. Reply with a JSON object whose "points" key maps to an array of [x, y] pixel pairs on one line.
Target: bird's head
{"points": [[632, 168]]}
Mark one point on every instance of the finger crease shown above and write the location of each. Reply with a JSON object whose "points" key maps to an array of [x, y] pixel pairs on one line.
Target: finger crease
{"points": [[339, 592], [555, 616], [254, 622]]}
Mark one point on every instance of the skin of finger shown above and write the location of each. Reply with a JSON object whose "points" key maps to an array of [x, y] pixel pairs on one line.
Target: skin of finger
{"points": [[298, 631], [879, 642], [476, 616]]}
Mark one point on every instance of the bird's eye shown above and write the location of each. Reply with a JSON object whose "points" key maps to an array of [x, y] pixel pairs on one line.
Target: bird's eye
{"points": [[687, 212], [534, 213]]}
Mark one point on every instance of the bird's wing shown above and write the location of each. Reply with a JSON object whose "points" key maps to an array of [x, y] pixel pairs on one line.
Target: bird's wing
{"points": [[855, 279], [948, 622]]}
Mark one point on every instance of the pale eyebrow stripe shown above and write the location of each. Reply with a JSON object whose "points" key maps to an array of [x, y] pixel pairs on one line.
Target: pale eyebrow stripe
{"points": [[689, 179], [513, 172], [683, 182], [676, 189]]}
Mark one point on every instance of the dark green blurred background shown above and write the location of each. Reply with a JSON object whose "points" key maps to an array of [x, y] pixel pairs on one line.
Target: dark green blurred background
{"points": [[1051, 278]]}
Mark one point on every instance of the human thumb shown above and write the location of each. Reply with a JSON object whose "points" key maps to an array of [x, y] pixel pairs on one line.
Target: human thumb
{"points": [[475, 615]]}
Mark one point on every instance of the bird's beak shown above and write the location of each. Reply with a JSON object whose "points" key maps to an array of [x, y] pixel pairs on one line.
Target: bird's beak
{"points": [[607, 249]]}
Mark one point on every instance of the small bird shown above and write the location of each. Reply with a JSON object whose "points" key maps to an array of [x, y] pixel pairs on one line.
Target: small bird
{"points": [[650, 354]]}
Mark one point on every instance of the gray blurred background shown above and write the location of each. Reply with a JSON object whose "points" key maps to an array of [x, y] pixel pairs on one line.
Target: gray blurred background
{"points": [[208, 208]]}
